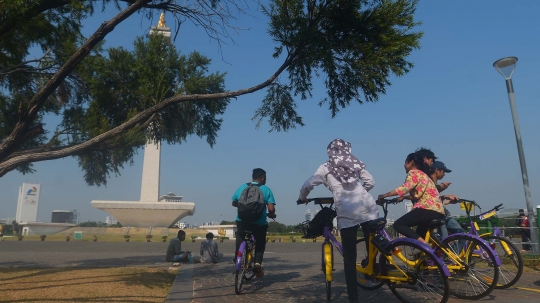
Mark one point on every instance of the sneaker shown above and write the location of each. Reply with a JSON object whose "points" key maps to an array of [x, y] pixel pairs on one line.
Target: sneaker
{"points": [[365, 262], [176, 264], [258, 270]]}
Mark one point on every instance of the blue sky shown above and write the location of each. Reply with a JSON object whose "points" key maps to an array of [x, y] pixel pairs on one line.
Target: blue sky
{"points": [[453, 101]]}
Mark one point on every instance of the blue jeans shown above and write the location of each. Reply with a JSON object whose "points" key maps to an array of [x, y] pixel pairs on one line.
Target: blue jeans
{"points": [[179, 258], [451, 227]]}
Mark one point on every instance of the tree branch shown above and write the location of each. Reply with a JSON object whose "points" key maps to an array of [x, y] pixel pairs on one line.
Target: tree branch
{"points": [[26, 117], [56, 153]]}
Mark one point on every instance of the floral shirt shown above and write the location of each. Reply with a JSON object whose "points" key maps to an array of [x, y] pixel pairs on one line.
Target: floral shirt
{"points": [[422, 190]]}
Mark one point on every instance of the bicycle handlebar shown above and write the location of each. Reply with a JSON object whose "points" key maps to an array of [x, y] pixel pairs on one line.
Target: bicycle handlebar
{"points": [[469, 201], [326, 200], [498, 207], [388, 201]]}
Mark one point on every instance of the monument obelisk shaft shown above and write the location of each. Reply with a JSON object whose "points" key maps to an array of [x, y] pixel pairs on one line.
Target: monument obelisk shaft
{"points": [[150, 174], [152, 150]]}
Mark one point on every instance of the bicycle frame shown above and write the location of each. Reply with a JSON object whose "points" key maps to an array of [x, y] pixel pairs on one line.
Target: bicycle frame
{"points": [[240, 250], [370, 268], [473, 230]]}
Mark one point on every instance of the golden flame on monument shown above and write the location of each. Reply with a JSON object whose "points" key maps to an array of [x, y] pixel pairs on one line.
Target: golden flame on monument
{"points": [[161, 22]]}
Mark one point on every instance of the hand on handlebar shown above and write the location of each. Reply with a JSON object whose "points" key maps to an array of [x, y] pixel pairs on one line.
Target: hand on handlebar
{"points": [[272, 216], [444, 185], [305, 201], [452, 198]]}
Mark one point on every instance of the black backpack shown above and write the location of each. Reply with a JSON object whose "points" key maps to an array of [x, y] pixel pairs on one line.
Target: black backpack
{"points": [[323, 218], [251, 203]]}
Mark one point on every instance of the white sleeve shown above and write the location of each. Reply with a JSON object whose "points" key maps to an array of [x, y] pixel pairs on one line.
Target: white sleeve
{"points": [[317, 179], [367, 180]]}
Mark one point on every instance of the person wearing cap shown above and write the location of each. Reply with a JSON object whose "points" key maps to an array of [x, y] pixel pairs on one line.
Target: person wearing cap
{"points": [[525, 228], [437, 172]]}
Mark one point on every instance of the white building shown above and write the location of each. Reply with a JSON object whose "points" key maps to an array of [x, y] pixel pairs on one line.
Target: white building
{"points": [[308, 215], [27, 205], [110, 220], [182, 225]]}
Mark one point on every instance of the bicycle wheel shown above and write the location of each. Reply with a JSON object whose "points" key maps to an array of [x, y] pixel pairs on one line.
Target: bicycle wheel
{"points": [[327, 267], [239, 279], [362, 280], [479, 275], [250, 261], [426, 280], [512, 262]]}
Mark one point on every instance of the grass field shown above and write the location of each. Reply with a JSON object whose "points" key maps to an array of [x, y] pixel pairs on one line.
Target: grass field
{"points": [[126, 284]]}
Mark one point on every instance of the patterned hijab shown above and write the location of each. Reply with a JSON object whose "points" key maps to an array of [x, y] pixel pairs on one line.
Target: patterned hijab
{"points": [[343, 165]]}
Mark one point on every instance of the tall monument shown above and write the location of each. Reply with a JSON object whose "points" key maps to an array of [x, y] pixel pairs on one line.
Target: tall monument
{"points": [[150, 210]]}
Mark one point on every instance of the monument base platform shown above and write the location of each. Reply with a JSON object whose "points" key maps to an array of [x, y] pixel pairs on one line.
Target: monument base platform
{"points": [[146, 214], [43, 228]]}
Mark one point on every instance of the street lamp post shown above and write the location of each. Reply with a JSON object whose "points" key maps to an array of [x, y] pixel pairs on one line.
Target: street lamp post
{"points": [[506, 67]]}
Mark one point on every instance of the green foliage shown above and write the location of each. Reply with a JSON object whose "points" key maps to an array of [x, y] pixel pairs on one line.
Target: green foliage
{"points": [[92, 224], [127, 82], [276, 227], [354, 45], [112, 101]]}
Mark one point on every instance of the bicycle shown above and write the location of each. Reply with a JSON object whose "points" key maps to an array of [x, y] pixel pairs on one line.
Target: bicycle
{"points": [[408, 278], [511, 268], [244, 262], [245, 259], [466, 280]]}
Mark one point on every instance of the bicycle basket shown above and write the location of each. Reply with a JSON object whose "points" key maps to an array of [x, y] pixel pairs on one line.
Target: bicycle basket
{"points": [[315, 227], [310, 231]]}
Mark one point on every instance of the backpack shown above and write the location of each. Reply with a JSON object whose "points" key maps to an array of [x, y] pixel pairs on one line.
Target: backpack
{"points": [[251, 203], [315, 227], [520, 220]]}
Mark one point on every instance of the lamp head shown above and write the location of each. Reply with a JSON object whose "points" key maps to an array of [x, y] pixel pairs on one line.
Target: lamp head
{"points": [[506, 66]]}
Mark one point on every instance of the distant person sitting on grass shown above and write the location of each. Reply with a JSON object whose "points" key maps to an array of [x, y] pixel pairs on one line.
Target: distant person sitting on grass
{"points": [[174, 251], [209, 250]]}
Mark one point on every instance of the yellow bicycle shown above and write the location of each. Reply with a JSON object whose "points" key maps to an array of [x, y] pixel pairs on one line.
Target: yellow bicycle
{"points": [[410, 268]]}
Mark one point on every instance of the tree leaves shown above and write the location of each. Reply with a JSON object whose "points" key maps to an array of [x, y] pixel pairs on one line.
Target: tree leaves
{"points": [[354, 45]]}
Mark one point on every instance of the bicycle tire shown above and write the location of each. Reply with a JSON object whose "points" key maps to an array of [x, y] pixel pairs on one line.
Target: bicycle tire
{"points": [[327, 267], [250, 261], [363, 281], [481, 274], [424, 284], [239, 278], [512, 264]]}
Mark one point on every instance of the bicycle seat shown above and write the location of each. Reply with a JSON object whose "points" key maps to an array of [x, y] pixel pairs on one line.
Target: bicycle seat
{"points": [[464, 225], [375, 225], [436, 223]]}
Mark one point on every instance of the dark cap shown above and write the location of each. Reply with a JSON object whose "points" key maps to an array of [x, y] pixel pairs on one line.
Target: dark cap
{"points": [[440, 165], [521, 210]]}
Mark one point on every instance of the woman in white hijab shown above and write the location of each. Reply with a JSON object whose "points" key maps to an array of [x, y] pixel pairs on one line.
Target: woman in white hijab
{"points": [[342, 174]]}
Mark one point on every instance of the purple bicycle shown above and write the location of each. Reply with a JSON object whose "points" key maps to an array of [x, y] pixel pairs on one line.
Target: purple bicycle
{"points": [[512, 262], [245, 260]]}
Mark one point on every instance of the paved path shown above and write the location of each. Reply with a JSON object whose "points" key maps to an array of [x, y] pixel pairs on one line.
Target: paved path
{"points": [[292, 274], [292, 271]]}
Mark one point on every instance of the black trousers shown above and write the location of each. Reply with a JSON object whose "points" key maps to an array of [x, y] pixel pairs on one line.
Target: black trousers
{"points": [[417, 217], [258, 232], [526, 237], [348, 241]]}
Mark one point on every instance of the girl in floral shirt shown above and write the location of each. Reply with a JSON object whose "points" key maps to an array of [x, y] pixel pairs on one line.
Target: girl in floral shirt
{"points": [[427, 204]]}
